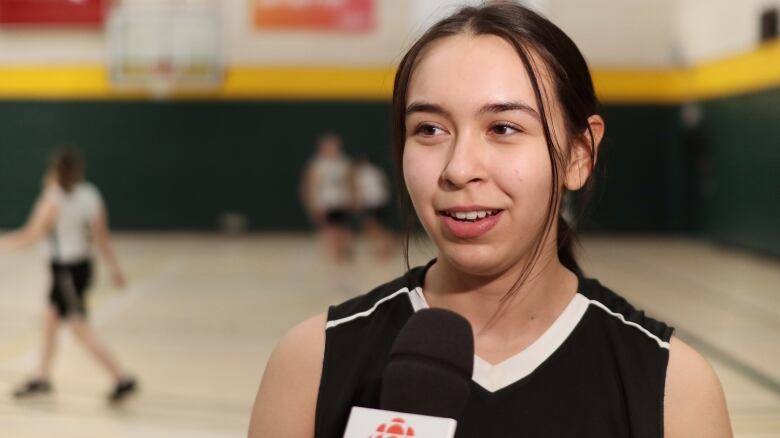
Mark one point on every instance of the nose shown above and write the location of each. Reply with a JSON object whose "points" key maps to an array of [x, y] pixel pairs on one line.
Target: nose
{"points": [[465, 164]]}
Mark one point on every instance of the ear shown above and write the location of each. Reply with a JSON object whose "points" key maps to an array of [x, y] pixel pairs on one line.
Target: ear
{"points": [[581, 161]]}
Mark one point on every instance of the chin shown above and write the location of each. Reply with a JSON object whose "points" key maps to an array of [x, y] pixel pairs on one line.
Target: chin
{"points": [[474, 259]]}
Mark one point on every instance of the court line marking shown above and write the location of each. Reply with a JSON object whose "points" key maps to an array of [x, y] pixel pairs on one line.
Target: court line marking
{"points": [[764, 380], [732, 361], [725, 300], [118, 303]]}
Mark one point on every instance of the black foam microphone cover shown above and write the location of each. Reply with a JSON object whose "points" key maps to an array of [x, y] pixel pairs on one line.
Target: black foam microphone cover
{"points": [[430, 366]]}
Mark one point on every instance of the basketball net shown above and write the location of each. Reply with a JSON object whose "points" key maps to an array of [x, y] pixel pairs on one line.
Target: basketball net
{"points": [[162, 83]]}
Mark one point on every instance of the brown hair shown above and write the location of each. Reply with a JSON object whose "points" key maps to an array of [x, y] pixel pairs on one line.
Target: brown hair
{"points": [[67, 167], [529, 34]]}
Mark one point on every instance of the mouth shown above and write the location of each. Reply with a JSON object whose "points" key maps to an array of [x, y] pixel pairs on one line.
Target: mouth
{"points": [[473, 215], [469, 222]]}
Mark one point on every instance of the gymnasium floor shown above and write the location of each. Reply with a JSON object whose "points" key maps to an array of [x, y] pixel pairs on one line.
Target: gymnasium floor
{"points": [[202, 313]]}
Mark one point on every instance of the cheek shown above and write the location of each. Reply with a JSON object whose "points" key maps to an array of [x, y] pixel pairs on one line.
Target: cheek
{"points": [[420, 174], [525, 175]]}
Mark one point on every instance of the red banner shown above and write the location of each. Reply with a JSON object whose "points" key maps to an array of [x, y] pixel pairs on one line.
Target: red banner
{"points": [[331, 15], [53, 12]]}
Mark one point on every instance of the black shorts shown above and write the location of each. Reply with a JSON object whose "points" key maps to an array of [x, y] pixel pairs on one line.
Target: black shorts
{"points": [[337, 217], [69, 285], [377, 213]]}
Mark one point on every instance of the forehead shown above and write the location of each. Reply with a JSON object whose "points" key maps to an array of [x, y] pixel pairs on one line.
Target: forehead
{"points": [[467, 71]]}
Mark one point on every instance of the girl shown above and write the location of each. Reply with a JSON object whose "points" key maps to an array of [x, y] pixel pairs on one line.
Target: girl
{"points": [[71, 213], [372, 197], [328, 197], [495, 119]]}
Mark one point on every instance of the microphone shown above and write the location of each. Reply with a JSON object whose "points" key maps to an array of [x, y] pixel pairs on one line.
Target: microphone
{"points": [[426, 383]]}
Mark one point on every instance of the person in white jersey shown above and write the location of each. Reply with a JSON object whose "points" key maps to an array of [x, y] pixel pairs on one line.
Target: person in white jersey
{"points": [[70, 215], [328, 196], [373, 196]]}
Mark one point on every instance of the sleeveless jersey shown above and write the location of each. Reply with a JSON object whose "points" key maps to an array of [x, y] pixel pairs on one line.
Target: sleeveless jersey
{"points": [[333, 190], [371, 186], [598, 371], [70, 239]]}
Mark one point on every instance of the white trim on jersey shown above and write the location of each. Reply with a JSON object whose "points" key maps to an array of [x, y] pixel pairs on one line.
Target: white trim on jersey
{"points": [[418, 302], [337, 322], [418, 299], [619, 316], [498, 376], [494, 377]]}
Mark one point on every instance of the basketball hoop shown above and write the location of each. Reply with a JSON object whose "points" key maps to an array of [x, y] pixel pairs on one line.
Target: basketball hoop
{"points": [[164, 47]]}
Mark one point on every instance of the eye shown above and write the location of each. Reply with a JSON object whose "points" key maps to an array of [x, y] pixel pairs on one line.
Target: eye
{"points": [[427, 130], [504, 128]]}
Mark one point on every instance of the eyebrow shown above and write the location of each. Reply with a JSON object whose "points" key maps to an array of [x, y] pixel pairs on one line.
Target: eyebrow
{"points": [[426, 107], [498, 107], [509, 106]]}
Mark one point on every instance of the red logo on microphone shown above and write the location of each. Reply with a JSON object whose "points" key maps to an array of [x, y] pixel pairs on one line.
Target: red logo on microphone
{"points": [[394, 429]]}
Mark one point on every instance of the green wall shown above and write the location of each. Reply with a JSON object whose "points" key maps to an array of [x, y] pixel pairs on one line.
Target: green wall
{"points": [[179, 165], [639, 172], [741, 185]]}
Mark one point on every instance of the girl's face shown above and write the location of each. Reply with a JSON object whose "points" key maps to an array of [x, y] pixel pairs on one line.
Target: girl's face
{"points": [[475, 161]]}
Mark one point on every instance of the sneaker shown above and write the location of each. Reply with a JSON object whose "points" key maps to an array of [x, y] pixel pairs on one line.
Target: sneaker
{"points": [[33, 387], [123, 389]]}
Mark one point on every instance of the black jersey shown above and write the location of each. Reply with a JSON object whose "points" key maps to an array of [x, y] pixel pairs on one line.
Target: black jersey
{"points": [[598, 371]]}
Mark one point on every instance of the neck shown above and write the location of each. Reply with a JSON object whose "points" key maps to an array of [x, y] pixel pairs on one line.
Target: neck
{"points": [[513, 321]]}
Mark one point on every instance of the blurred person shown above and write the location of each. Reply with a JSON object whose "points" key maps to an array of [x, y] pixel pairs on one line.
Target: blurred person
{"points": [[372, 198], [70, 215], [495, 118], [328, 196]]}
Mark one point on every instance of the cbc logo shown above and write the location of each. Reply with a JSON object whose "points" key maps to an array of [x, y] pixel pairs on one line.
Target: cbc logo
{"points": [[394, 429]]}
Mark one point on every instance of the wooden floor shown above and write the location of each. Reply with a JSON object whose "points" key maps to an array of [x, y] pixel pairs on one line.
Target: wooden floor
{"points": [[202, 313]]}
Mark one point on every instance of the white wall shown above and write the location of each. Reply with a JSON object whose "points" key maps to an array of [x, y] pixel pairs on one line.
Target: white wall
{"points": [[713, 29], [593, 25], [619, 33], [611, 33], [51, 47]]}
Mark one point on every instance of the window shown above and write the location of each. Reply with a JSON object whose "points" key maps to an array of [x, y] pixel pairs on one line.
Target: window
{"points": [[769, 25]]}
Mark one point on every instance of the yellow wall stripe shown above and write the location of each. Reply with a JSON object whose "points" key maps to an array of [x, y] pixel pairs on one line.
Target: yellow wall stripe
{"points": [[628, 86], [753, 71], [54, 82], [308, 83]]}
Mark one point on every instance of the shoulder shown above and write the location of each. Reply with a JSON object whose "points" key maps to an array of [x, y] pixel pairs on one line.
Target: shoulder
{"points": [[88, 196], [302, 339], [624, 318], [52, 194], [87, 193], [86, 188], [286, 399], [301, 346], [694, 404]]}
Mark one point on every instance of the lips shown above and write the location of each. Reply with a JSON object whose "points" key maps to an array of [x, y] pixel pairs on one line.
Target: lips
{"points": [[469, 222]]}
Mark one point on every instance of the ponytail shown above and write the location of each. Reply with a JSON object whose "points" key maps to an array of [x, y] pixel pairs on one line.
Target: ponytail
{"points": [[566, 241]]}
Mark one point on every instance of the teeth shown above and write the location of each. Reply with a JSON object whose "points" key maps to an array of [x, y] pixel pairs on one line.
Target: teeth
{"points": [[471, 215]]}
